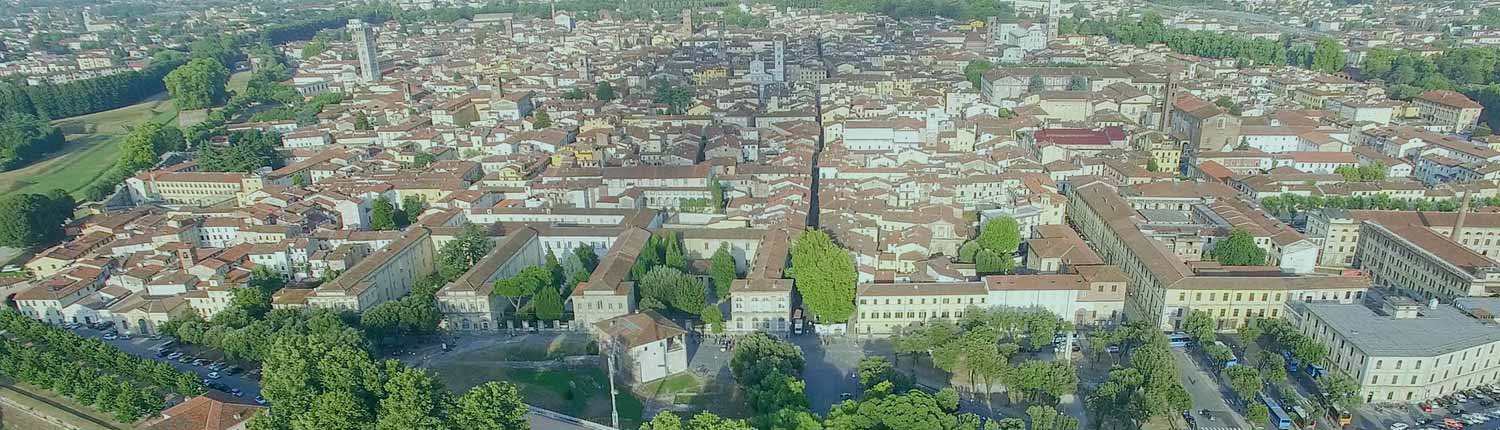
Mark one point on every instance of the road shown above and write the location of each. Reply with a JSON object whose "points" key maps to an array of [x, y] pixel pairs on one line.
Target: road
{"points": [[1207, 394], [831, 368]]}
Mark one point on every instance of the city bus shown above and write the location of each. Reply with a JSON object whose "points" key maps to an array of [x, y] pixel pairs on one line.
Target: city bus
{"points": [[1179, 339], [1279, 417]]}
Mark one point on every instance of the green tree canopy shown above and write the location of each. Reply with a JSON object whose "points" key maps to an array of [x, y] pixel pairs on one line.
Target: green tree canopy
{"points": [[1200, 325], [974, 71], [1328, 56], [25, 138], [382, 214], [604, 92], [246, 152], [541, 120], [723, 271], [1001, 234], [767, 370], [198, 84], [1239, 249], [30, 220], [491, 405], [824, 274], [461, 253], [669, 286]]}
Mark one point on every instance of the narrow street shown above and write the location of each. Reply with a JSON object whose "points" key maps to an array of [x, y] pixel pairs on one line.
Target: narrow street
{"points": [[1207, 394]]}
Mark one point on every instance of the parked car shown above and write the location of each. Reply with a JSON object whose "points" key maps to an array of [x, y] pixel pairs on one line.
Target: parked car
{"points": [[213, 375], [199, 362], [1452, 423], [260, 400], [174, 356], [233, 370], [236, 392], [163, 352], [1400, 426], [110, 336], [1426, 407]]}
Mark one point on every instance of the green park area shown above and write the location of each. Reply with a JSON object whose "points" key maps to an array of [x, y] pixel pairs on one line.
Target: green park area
{"points": [[545, 381], [93, 145]]}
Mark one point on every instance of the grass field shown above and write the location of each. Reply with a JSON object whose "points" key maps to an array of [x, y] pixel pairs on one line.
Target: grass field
{"points": [[580, 391], [91, 149], [18, 419], [672, 385], [72, 413], [238, 81]]}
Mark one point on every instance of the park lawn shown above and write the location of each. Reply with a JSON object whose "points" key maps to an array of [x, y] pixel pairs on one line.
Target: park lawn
{"points": [[93, 145], [239, 81], [672, 385], [579, 392], [72, 171], [17, 418]]}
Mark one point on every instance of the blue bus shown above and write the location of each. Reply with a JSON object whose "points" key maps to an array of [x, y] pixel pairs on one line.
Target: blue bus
{"points": [[1232, 361], [1314, 370], [1279, 418], [1179, 339]]}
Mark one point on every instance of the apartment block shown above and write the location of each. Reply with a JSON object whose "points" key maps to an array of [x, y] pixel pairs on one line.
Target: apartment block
{"points": [[468, 302], [1423, 262], [1165, 287], [608, 293], [1401, 351], [1094, 296], [386, 274]]}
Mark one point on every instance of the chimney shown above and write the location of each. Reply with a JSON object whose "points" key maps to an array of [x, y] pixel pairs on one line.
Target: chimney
{"points": [[1463, 212]]}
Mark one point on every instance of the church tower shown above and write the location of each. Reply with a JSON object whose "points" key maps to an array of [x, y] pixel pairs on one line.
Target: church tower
{"points": [[1054, 11], [779, 73]]}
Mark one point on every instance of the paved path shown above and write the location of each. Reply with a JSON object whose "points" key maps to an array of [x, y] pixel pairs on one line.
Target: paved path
{"points": [[542, 419]]}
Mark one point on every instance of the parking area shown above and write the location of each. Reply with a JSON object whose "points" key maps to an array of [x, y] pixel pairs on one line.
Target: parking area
{"points": [[238, 379], [1475, 409]]}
